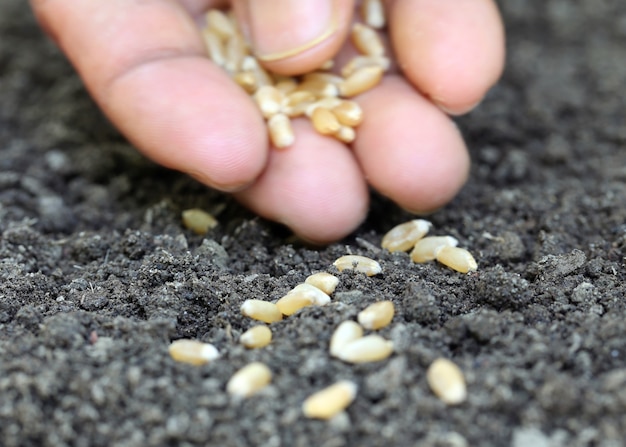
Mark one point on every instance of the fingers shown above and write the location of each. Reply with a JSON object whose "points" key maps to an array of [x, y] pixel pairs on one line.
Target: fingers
{"points": [[294, 36], [453, 52], [315, 187], [144, 64], [411, 152]]}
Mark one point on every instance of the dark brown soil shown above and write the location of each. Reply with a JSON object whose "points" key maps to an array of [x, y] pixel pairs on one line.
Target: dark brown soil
{"points": [[97, 275]]}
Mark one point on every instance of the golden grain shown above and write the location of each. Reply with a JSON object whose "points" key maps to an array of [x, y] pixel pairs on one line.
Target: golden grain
{"points": [[456, 258], [377, 315], [220, 23], [371, 348], [269, 100], [362, 80], [403, 237], [347, 332], [324, 121], [324, 281], [358, 62], [256, 337], [330, 401], [358, 263], [280, 130], [348, 113], [261, 310], [425, 248], [447, 381], [367, 40], [214, 47], [198, 221], [249, 380], [373, 13], [193, 352], [345, 134], [293, 302]]}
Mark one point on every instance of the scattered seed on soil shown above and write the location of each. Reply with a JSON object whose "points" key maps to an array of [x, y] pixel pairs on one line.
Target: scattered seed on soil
{"points": [[346, 332], [456, 258], [330, 401], [256, 337], [249, 380], [425, 248], [280, 130], [193, 351], [261, 310], [358, 263], [403, 237], [377, 315], [447, 381], [361, 80], [198, 221], [293, 302], [370, 348], [324, 281]]}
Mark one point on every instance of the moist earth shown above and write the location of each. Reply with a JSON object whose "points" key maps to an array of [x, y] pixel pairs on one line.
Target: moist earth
{"points": [[98, 276]]}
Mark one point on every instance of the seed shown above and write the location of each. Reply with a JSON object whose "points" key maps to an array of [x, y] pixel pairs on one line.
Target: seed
{"points": [[358, 62], [456, 258], [249, 379], [286, 86], [425, 248], [301, 296], [193, 352], [367, 40], [246, 80], [280, 130], [236, 51], [361, 264], [346, 134], [214, 47], [346, 332], [328, 103], [348, 113], [403, 237], [198, 221], [261, 310], [320, 88], [270, 100], [299, 97], [361, 80], [324, 281], [447, 381], [320, 298], [373, 13], [330, 401], [256, 337], [219, 22], [370, 348], [329, 64], [320, 76], [249, 63], [377, 315], [324, 121]]}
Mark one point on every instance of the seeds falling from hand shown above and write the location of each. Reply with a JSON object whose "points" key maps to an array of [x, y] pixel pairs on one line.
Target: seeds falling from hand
{"points": [[403, 237], [198, 221]]}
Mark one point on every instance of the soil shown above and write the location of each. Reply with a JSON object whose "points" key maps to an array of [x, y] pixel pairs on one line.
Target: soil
{"points": [[98, 276]]}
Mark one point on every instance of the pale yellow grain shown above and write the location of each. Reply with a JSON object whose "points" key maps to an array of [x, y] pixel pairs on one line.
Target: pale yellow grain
{"points": [[256, 337], [236, 50], [250, 64], [367, 41], [246, 80], [446, 380], [261, 310], [324, 281], [371, 348], [215, 47], [249, 380], [198, 221], [403, 237], [358, 62], [324, 121], [220, 23], [330, 401], [193, 352], [328, 65], [376, 315], [346, 332], [286, 86], [319, 297], [324, 77], [456, 258], [299, 97], [320, 88], [345, 134], [358, 263], [269, 100], [293, 302], [348, 113], [424, 249], [280, 130], [373, 13], [327, 103], [361, 81]]}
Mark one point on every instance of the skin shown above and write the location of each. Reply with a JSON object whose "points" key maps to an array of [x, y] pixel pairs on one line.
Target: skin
{"points": [[144, 63]]}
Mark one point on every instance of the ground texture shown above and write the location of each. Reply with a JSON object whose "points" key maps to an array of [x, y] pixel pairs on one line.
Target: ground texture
{"points": [[97, 275]]}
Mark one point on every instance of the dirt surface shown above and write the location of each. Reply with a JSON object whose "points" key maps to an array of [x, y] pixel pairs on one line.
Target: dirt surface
{"points": [[97, 275]]}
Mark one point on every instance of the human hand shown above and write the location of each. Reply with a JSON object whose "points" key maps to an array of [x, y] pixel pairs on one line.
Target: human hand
{"points": [[145, 64]]}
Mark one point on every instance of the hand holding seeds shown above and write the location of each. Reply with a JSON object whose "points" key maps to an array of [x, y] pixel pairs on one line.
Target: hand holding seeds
{"points": [[146, 65]]}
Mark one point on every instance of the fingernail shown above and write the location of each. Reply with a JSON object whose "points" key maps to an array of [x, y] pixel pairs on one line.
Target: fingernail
{"points": [[459, 110], [278, 29]]}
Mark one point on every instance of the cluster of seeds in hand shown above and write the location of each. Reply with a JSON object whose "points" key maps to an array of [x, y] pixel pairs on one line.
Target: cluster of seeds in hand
{"points": [[321, 95], [348, 342], [412, 236]]}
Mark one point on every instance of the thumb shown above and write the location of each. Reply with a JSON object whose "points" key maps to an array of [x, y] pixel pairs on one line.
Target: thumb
{"points": [[294, 36]]}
